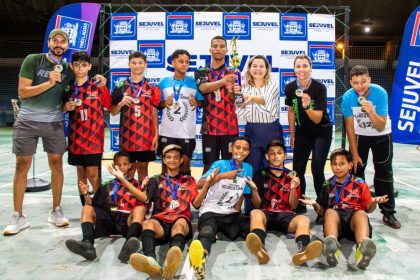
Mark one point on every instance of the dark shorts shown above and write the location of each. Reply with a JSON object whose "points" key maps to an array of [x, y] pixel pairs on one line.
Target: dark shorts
{"points": [[345, 228], [26, 134], [85, 160], [143, 156], [167, 228], [279, 221], [229, 225], [110, 222], [187, 145], [214, 145]]}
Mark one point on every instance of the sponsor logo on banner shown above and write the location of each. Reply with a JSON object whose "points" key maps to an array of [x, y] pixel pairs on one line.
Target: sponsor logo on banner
{"points": [[115, 137], [237, 25], [151, 24], [117, 78], [154, 51], [154, 81], [293, 27], [199, 115], [123, 27], [121, 52], [208, 25], [415, 36], [291, 53], [286, 136], [331, 109], [78, 31], [318, 26], [286, 76], [322, 55], [265, 25], [180, 26]]}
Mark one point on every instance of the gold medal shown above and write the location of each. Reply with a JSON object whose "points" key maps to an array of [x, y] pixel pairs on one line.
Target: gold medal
{"points": [[176, 105]]}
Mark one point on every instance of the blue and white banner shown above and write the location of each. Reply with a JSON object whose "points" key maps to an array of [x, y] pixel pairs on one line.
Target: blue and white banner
{"points": [[405, 99], [79, 21], [279, 37]]}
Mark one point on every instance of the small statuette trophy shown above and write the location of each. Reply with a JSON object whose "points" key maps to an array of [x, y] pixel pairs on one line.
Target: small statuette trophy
{"points": [[236, 61], [58, 68]]}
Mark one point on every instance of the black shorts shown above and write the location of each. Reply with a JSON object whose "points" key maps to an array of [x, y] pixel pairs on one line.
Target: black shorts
{"points": [[143, 156], [214, 145], [110, 222], [85, 160], [279, 221], [345, 228], [187, 145], [167, 228], [228, 224]]}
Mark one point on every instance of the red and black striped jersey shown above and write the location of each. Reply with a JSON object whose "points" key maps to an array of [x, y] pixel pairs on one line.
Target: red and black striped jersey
{"points": [[160, 194], [136, 121], [355, 195], [219, 117], [86, 122], [274, 191], [114, 194]]}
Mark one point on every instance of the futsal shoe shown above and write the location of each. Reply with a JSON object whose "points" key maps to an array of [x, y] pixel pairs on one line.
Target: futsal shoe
{"points": [[198, 259], [310, 252], [130, 246], [331, 251], [172, 262], [146, 265], [255, 246], [391, 221], [361, 255], [82, 248]]}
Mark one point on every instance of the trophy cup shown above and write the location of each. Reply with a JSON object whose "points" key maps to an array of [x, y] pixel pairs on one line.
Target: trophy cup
{"points": [[236, 61]]}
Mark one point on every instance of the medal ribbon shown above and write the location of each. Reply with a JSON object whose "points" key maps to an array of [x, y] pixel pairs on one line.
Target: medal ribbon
{"points": [[307, 86], [139, 91], [177, 92], [173, 189], [213, 74], [76, 89], [54, 59], [337, 195]]}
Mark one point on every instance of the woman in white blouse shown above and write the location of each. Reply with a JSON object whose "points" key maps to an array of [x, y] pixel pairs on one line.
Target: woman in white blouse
{"points": [[260, 110]]}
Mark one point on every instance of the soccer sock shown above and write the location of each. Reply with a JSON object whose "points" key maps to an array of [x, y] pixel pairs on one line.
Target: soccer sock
{"points": [[82, 199], [134, 230], [303, 239], [178, 240], [261, 234], [148, 243], [206, 242], [88, 231]]}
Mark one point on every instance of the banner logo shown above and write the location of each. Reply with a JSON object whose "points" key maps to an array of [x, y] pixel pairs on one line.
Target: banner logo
{"points": [[293, 27], [180, 26], [154, 51], [237, 25], [415, 36], [322, 55], [78, 31], [123, 27], [118, 78], [286, 76]]}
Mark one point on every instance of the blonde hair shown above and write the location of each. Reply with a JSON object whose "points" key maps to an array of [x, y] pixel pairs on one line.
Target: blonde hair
{"points": [[248, 76]]}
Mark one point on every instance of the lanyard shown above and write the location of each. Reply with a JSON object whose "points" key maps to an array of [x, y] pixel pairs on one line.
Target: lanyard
{"points": [[177, 92], [173, 189], [139, 91], [116, 190], [213, 74], [337, 195], [307, 86], [76, 88], [53, 59]]}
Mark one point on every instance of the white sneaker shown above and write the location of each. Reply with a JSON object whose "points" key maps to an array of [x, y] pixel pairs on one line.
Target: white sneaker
{"points": [[17, 223], [56, 217]]}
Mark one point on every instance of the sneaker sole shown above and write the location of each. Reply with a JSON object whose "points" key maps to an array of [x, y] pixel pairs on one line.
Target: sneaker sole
{"points": [[312, 251], [75, 248], [141, 263], [368, 250], [196, 252], [254, 244], [391, 225], [64, 224], [330, 250], [130, 247], [9, 232], [173, 260]]}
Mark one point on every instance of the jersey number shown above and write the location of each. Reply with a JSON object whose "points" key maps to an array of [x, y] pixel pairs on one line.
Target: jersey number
{"points": [[83, 115], [137, 111]]}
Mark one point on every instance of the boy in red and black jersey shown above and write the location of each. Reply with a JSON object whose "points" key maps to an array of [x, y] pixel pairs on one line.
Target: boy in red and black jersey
{"points": [[85, 101], [220, 122], [137, 102], [116, 208], [172, 195], [344, 201], [279, 190]]}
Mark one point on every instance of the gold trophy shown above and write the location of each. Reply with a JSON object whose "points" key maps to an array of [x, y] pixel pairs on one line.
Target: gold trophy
{"points": [[236, 61]]}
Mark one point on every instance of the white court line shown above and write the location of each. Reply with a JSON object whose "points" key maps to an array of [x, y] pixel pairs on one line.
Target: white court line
{"points": [[39, 195], [395, 179]]}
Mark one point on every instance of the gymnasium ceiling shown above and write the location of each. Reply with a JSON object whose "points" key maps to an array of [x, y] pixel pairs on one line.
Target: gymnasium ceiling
{"points": [[26, 20]]}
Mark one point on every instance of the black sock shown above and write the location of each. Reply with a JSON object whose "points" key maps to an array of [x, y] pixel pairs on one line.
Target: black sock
{"points": [[304, 239], [134, 230], [261, 234], [178, 240], [148, 243], [88, 231], [206, 242], [82, 199]]}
